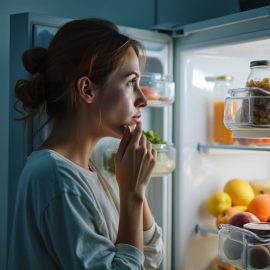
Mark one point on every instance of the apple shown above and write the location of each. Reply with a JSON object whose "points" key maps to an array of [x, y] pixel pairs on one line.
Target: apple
{"points": [[225, 216], [241, 218]]}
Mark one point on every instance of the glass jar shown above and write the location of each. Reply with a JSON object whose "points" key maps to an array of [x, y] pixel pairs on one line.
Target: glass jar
{"points": [[260, 77], [259, 74], [221, 134]]}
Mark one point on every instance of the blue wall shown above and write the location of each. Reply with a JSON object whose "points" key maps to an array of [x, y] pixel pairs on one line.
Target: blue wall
{"points": [[140, 14]]}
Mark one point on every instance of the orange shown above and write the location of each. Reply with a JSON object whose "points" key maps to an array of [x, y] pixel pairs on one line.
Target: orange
{"points": [[260, 206]]}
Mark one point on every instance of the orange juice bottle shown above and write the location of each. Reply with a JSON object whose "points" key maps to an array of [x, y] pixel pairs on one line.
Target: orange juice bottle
{"points": [[221, 134]]}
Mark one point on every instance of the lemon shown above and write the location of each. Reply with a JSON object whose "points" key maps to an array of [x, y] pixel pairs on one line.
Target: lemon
{"points": [[218, 202], [240, 191]]}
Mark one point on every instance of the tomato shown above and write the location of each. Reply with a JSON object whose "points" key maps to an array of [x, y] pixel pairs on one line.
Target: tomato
{"points": [[150, 93]]}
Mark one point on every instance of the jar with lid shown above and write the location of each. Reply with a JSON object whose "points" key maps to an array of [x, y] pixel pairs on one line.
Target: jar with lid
{"points": [[221, 134], [259, 74], [260, 77]]}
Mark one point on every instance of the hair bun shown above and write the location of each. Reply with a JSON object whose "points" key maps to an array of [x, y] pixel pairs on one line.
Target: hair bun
{"points": [[35, 59]]}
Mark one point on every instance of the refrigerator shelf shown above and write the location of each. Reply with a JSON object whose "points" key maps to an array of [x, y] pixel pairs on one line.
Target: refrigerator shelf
{"points": [[229, 149]]}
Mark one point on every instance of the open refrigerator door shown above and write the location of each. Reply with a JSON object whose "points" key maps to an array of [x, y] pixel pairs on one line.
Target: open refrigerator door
{"points": [[218, 47]]}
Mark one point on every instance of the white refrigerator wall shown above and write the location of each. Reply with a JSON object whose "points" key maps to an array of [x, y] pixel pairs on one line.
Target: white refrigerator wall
{"points": [[201, 173]]}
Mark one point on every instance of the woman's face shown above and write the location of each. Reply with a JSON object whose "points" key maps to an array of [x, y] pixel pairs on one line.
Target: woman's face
{"points": [[122, 98]]}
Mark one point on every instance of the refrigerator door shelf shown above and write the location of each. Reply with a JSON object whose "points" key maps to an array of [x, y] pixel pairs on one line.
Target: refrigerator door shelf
{"points": [[158, 89], [248, 110], [243, 248], [221, 149]]}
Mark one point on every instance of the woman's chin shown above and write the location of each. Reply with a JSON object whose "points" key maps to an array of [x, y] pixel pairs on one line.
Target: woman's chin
{"points": [[132, 128]]}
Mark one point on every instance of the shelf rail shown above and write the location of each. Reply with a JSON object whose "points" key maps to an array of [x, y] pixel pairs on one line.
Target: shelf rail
{"points": [[201, 147]]}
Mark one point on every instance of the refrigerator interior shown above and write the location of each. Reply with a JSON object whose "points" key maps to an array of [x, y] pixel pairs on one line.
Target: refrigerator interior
{"points": [[201, 173]]}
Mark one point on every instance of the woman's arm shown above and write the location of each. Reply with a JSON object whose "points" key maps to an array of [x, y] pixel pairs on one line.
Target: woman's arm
{"points": [[134, 162], [147, 216]]}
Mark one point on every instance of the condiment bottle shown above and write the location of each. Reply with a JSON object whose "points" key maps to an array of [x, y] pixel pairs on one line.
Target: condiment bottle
{"points": [[221, 134]]}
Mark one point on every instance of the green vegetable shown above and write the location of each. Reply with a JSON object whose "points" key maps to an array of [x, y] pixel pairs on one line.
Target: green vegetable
{"points": [[153, 138]]}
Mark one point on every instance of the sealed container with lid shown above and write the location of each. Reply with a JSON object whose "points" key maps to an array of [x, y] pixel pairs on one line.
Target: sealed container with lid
{"points": [[159, 89], [221, 134], [245, 248]]}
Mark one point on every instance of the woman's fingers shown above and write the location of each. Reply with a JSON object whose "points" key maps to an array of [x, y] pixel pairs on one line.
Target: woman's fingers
{"points": [[124, 142], [136, 136]]}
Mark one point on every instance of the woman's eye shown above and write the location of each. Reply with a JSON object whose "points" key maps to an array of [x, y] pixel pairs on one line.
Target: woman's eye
{"points": [[131, 83]]}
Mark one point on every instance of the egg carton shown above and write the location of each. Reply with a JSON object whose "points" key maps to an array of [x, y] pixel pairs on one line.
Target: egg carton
{"points": [[243, 248]]}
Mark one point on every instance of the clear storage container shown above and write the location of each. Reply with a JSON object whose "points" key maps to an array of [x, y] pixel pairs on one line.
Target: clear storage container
{"points": [[165, 163], [243, 248], [158, 89], [247, 108]]}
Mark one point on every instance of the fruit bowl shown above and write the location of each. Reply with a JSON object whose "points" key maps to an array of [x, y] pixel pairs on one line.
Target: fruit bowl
{"points": [[165, 163], [243, 248], [158, 89]]}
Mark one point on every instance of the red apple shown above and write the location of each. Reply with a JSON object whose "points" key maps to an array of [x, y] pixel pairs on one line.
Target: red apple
{"points": [[242, 218]]}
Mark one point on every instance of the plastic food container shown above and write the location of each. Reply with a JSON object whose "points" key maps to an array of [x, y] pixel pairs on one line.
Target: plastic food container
{"points": [[243, 248], [158, 89], [165, 163], [247, 108], [165, 159]]}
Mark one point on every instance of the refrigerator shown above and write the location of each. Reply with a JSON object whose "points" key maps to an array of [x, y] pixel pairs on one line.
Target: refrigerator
{"points": [[190, 54]]}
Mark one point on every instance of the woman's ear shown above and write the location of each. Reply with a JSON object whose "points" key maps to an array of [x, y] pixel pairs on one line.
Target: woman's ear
{"points": [[86, 89]]}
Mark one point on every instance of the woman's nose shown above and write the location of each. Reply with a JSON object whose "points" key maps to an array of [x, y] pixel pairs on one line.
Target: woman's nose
{"points": [[141, 100]]}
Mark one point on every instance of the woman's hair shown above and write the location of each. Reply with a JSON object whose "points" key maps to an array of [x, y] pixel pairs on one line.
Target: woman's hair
{"points": [[88, 47]]}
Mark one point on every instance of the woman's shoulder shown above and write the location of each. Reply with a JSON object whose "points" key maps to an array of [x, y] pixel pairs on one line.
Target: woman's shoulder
{"points": [[51, 173]]}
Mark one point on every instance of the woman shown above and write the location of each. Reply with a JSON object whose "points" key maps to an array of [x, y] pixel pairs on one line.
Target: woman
{"points": [[67, 216]]}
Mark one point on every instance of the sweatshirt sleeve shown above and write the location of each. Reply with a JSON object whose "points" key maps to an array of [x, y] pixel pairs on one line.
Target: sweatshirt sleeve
{"points": [[153, 248], [71, 230]]}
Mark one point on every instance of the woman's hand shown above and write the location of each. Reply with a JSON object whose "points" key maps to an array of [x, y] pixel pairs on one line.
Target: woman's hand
{"points": [[134, 162]]}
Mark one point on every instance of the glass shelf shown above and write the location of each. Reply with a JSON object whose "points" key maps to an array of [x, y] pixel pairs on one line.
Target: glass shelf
{"points": [[220, 148]]}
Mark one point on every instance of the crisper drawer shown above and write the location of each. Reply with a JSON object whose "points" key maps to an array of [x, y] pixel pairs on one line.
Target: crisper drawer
{"points": [[243, 248]]}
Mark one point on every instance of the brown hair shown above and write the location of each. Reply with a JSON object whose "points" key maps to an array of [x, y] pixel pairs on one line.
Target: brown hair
{"points": [[88, 47]]}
